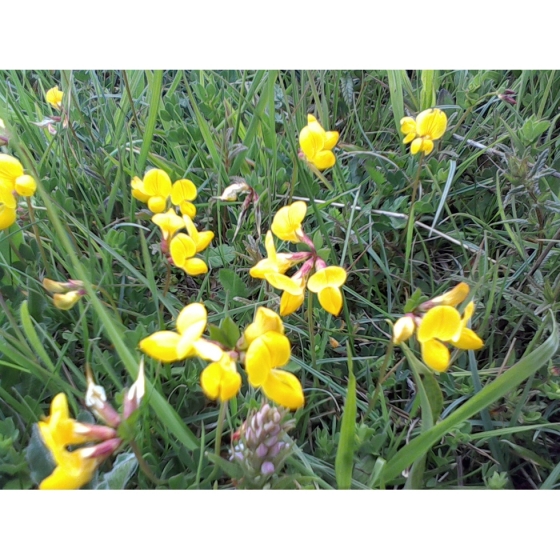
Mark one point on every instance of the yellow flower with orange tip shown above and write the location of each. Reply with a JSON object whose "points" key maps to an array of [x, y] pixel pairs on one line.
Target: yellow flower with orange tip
{"points": [[286, 224], [73, 468], [275, 262], [266, 352], [428, 126], [221, 379], [169, 346], [317, 145], [443, 323], [326, 283], [54, 97]]}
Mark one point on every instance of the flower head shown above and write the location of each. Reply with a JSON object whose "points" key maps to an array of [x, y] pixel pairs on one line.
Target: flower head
{"points": [[265, 354], [403, 329], [294, 291], [286, 224], [183, 251], [317, 145], [73, 468], [54, 97], [183, 192], [169, 346], [169, 223], [12, 178], [429, 125]]}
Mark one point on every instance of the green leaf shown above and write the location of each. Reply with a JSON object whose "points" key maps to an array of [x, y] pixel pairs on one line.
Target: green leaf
{"points": [[231, 331], [220, 256], [344, 462], [124, 467], [491, 393], [231, 469], [233, 283], [39, 458], [434, 394]]}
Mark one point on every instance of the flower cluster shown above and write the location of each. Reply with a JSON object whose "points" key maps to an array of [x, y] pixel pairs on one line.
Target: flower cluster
{"points": [[156, 190], [428, 126], [326, 281], [262, 348], [436, 322], [13, 182], [261, 445], [317, 144], [65, 294], [96, 443]]}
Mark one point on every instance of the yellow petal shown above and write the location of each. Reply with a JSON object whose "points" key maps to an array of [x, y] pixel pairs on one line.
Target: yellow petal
{"points": [[331, 138], [442, 322], [284, 388], [25, 185], [156, 203], [287, 221], [168, 222], [10, 168], [138, 190], [468, 340], [290, 303], [427, 146], [323, 160], [208, 350], [331, 300], [265, 321], [73, 473], [269, 246], [415, 146], [157, 183], [161, 345], [7, 199], [408, 126], [195, 267], [66, 301], [403, 329], [331, 276], [262, 268], [432, 123], [182, 247], [282, 282], [269, 350], [409, 138], [7, 217], [187, 209], [182, 190], [204, 239], [221, 380], [192, 320], [435, 355], [453, 297]]}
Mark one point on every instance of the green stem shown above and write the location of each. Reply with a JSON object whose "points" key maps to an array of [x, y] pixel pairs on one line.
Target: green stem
{"points": [[218, 440], [144, 467], [410, 221], [311, 330], [37, 236]]}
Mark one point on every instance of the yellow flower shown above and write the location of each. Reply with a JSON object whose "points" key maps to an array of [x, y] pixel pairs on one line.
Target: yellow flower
{"points": [[317, 145], [443, 323], [293, 288], [157, 185], [183, 192], [265, 353], [169, 346], [13, 178], [326, 282], [275, 262], [286, 224], [183, 250], [429, 125], [403, 329], [138, 190], [73, 468], [54, 97], [169, 223], [221, 380]]}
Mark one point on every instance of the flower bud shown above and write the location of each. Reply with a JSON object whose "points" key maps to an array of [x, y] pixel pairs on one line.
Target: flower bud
{"points": [[403, 329]]}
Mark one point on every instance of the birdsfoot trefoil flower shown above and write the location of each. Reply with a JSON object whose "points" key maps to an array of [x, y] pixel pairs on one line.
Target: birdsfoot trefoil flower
{"points": [[428, 126], [317, 145]]}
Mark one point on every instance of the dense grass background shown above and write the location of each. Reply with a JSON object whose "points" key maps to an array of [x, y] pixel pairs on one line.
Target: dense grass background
{"points": [[487, 213]]}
